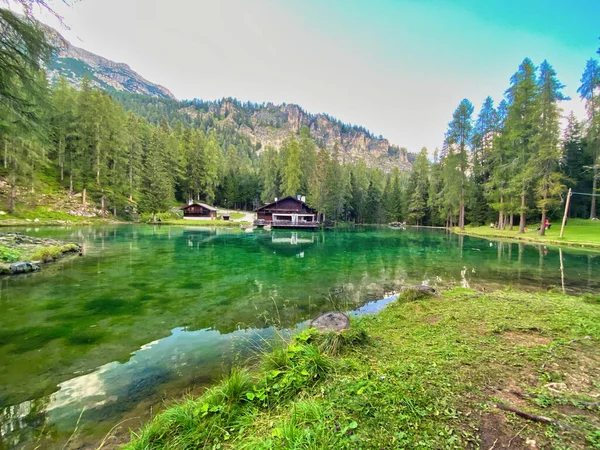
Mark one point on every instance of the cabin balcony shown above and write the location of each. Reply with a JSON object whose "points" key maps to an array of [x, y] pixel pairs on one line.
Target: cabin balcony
{"points": [[294, 224]]}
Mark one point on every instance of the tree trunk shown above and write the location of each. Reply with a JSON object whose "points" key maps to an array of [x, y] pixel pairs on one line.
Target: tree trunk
{"points": [[103, 207], [60, 160], [13, 193], [543, 224], [83, 196], [131, 180], [98, 153], [115, 211], [5, 153], [71, 184], [594, 187], [501, 213], [511, 220], [522, 219]]}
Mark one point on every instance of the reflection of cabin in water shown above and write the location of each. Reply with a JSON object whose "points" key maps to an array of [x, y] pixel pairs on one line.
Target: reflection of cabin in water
{"points": [[199, 211], [289, 212]]}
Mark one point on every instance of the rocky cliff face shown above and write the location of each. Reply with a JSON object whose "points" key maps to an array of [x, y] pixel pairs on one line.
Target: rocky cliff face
{"points": [[265, 125], [74, 63], [269, 125]]}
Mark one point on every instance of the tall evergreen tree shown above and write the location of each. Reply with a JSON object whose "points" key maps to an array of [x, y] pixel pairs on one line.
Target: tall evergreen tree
{"points": [[418, 189], [590, 92], [292, 169], [520, 129], [157, 184], [458, 138], [545, 162]]}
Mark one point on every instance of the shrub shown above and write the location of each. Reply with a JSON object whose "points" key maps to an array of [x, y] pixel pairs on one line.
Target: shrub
{"points": [[9, 254]]}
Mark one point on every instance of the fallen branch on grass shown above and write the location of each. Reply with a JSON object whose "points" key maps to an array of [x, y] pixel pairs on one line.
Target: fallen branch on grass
{"points": [[529, 416]]}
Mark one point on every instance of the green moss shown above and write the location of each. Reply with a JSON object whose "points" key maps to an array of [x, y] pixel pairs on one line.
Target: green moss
{"points": [[47, 254]]}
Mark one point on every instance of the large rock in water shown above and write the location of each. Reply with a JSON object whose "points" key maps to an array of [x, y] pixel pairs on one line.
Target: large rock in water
{"points": [[331, 321], [23, 267]]}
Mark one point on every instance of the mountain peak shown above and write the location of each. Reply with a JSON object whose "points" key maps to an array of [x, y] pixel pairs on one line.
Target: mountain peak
{"points": [[75, 63]]}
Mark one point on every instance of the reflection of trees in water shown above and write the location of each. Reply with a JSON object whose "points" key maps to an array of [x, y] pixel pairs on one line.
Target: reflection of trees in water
{"points": [[24, 422]]}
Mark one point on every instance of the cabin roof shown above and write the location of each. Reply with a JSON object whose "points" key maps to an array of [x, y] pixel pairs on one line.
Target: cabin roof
{"points": [[289, 197], [204, 205]]}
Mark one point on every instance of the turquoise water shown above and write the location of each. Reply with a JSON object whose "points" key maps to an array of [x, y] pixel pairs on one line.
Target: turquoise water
{"points": [[152, 313]]}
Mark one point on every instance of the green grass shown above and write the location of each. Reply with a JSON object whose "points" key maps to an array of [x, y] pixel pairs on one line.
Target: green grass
{"points": [[48, 254], [9, 255], [578, 232], [424, 373]]}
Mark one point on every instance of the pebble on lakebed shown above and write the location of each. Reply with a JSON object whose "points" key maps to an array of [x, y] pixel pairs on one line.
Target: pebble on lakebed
{"points": [[24, 254]]}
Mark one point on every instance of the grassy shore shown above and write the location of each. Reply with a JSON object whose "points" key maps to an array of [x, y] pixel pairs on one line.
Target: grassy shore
{"points": [[428, 372], [578, 233]]}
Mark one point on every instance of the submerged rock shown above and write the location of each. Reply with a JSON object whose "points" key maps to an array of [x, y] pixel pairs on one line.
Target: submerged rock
{"points": [[23, 267], [331, 321]]}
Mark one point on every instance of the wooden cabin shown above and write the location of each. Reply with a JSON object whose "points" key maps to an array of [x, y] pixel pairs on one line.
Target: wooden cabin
{"points": [[289, 212], [199, 211]]}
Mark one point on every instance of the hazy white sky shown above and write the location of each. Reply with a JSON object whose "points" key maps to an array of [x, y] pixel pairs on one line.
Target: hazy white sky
{"points": [[397, 67]]}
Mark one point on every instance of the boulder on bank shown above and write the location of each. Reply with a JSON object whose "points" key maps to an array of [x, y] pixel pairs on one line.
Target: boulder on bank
{"points": [[425, 289], [331, 321]]}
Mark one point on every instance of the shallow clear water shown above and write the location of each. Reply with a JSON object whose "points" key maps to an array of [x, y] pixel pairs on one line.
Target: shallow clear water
{"points": [[150, 313]]}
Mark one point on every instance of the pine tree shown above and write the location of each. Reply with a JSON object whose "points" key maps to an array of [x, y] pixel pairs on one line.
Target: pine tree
{"points": [[23, 88], [520, 129], [359, 184], [337, 186], [545, 163], [292, 169], [157, 185], [317, 193], [575, 166], [590, 92], [484, 132], [270, 175], [418, 189], [212, 165], [308, 157], [458, 138]]}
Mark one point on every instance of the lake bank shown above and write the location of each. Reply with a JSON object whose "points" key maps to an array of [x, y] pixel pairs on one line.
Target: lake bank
{"points": [[146, 316], [434, 372], [579, 233], [20, 253]]}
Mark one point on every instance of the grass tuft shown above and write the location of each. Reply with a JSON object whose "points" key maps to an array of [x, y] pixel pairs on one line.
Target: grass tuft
{"points": [[48, 254]]}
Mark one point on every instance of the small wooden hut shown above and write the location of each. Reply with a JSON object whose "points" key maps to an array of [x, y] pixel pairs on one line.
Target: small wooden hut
{"points": [[199, 211]]}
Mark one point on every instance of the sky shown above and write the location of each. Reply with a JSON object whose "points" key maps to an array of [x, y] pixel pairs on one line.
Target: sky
{"points": [[397, 67]]}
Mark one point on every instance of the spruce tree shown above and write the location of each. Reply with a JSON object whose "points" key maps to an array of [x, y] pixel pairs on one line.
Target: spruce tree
{"points": [[545, 162], [157, 185], [589, 91], [520, 130], [458, 138]]}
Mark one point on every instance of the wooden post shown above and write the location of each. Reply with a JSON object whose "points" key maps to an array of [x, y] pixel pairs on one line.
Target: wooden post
{"points": [[564, 222]]}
